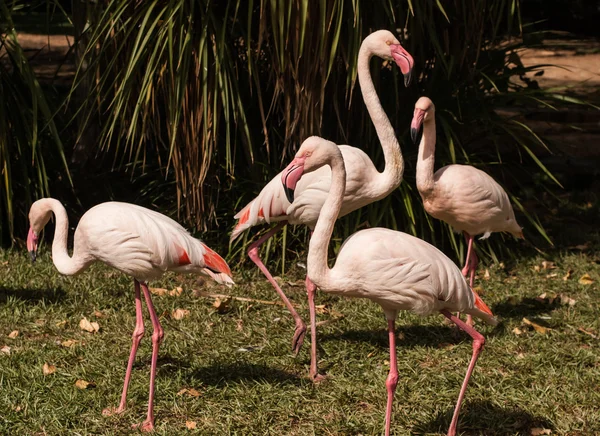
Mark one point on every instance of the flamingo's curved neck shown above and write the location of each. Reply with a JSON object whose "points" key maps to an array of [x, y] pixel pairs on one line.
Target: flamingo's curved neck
{"points": [[426, 159], [391, 176], [316, 264], [64, 263]]}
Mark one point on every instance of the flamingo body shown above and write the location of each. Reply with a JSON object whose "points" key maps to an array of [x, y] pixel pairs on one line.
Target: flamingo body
{"points": [[136, 241]]}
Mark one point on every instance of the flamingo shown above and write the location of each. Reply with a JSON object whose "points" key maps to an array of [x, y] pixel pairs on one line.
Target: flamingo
{"points": [[465, 197], [395, 270], [136, 241], [364, 185]]}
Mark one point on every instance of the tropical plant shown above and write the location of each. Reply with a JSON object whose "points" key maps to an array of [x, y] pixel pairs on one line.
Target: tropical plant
{"points": [[29, 137], [223, 92]]}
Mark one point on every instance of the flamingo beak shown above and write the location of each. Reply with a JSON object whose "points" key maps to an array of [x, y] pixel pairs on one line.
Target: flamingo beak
{"points": [[416, 124], [32, 244], [404, 60], [291, 175]]}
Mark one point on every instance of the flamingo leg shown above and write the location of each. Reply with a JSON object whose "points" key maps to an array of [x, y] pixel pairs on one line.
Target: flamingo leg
{"points": [[138, 333], [157, 337], [392, 378], [478, 342], [469, 269], [300, 330], [311, 289]]}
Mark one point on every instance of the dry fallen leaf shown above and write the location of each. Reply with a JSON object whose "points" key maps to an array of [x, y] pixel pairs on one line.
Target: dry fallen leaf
{"points": [[13, 334], [586, 280], [568, 275], [158, 291], [48, 369], [82, 384], [5, 350], [88, 326], [536, 431], [486, 274], [550, 276], [189, 391], [68, 343], [517, 331], [239, 325], [176, 292], [179, 314], [548, 265], [98, 314], [61, 323], [191, 425], [520, 356], [582, 330], [222, 306], [565, 299], [538, 328]]}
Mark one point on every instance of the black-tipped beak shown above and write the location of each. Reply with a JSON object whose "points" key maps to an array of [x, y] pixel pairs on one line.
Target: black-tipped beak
{"points": [[414, 135], [408, 78], [289, 193], [33, 256]]}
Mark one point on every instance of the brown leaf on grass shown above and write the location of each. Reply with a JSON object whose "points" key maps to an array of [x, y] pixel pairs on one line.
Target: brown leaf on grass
{"points": [[586, 280], [83, 384], [13, 334], [296, 284], [5, 350], [92, 327], [98, 314], [68, 343], [48, 369], [176, 292], [548, 265], [189, 391], [568, 275], [61, 323], [517, 331], [566, 300], [222, 306], [537, 431], [179, 314], [551, 276], [158, 291], [486, 274], [582, 330], [538, 328], [239, 325], [190, 425]]}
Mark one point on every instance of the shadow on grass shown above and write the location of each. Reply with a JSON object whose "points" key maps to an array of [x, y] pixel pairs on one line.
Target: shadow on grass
{"points": [[223, 374], [525, 307], [485, 418], [34, 296]]}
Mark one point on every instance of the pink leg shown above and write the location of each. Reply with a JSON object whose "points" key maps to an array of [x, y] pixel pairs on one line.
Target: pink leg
{"points": [[310, 290], [300, 331], [392, 378], [474, 261], [138, 332], [157, 337], [478, 342], [469, 239]]}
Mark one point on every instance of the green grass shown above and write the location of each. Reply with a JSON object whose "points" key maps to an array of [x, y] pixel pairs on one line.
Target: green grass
{"points": [[521, 381]]}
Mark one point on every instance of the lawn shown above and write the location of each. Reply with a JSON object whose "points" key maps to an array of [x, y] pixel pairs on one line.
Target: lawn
{"points": [[230, 370]]}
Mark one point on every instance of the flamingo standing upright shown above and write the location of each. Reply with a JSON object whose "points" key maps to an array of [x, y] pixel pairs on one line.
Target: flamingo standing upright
{"points": [[136, 241], [465, 197], [364, 185], [395, 270]]}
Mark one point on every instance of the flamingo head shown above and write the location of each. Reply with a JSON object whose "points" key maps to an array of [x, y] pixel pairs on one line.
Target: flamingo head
{"points": [[39, 215], [314, 153], [424, 111], [384, 44]]}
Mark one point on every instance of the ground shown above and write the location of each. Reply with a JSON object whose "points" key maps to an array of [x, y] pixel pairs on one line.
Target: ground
{"points": [[233, 373]]}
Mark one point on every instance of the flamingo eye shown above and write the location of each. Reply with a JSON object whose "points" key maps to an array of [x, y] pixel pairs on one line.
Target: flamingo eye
{"points": [[388, 42]]}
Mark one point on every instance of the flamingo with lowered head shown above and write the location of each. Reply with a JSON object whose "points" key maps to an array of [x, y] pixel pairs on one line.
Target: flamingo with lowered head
{"points": [[461, 195], [364, 184], [136, 241], [395, 270]]}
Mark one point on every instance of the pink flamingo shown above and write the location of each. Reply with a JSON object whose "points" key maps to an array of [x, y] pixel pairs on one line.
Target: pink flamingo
{"points": [[365, 184], [396, 270], [136, 241], [463, 196]]}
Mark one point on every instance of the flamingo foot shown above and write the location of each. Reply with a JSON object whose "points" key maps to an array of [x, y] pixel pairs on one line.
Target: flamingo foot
{"points": [[146, 426], [109, 411], [299, 334], [318, 378]]}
